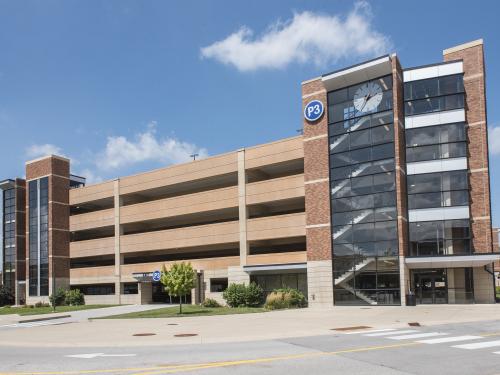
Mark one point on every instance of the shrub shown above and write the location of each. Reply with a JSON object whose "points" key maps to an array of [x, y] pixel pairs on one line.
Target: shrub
{"points": [[285, 299], [254, 295], [235, 295], [57, 298], [41, 304], [210, 302], [74, 298], [6, 297]]}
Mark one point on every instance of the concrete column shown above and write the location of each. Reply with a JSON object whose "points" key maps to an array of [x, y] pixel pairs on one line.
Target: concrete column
{"points": [[243, 214], [236, 275], [118, 258], [483, 286]]}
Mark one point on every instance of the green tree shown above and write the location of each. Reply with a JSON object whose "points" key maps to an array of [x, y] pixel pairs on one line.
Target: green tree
{"points": [[178, 280]]}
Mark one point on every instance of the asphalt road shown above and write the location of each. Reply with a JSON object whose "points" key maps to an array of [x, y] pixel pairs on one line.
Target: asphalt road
{"points": [[445, 349]]}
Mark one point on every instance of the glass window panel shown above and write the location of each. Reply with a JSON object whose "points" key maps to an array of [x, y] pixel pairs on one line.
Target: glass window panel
{"points": [[421, 183], [362, 185], [342, 234], [426, 200], [385, 214], [363, 232], [451, 84], [456, 180], [384, 199], [340, 143], [342, 218], [362, 202], [360, 138], [340, 173], [452, 133], [341, 205], [385, 230], [414, 154], [361, 156], [338, 96], [341, 159], [383, 134], [382, 118], [421, 89], [383, 151], [422, 136], [384, 182], [341, 188]]}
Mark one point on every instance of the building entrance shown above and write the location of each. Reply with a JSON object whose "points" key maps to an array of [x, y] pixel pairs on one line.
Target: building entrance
{"points": [[431, 287]]}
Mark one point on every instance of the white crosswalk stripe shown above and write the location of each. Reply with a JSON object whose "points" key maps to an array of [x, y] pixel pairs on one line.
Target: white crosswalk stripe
{"points": [[479, 345], [371, 331], [443, 340], [417, 336], [378, 334], [30, 324]]}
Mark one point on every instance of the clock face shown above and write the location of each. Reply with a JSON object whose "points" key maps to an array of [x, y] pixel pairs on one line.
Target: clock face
{"points": [[368, 97]]}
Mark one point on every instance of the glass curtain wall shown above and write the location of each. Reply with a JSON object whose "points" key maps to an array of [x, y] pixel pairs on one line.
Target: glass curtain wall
{"points": [[363, 198], [38, 237], [9, 239]]}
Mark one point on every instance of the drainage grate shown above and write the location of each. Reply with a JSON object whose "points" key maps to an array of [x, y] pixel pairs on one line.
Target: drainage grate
{"points": [[349, 328], [414, 324], [186, 335], [172, 324], [144, 334]]}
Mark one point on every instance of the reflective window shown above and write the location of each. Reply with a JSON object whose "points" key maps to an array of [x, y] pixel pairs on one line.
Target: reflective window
{"points": [[443, 189], [362, 190], [440, 238], [429, 105], [432, 87]]}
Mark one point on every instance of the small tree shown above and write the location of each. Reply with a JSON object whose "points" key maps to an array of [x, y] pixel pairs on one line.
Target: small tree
{"points": [[57, 298], [178, 280], [6, 297]]}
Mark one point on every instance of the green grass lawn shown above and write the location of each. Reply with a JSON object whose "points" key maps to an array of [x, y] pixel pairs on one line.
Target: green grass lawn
{"points": [[47, 310], [188, 310]]}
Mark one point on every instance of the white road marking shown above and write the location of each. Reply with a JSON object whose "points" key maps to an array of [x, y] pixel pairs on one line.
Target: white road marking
{"points": [[95, 355], [371, 331], [417, 336], [31, 324], [390, 333], [449, 339], [478, 345]]}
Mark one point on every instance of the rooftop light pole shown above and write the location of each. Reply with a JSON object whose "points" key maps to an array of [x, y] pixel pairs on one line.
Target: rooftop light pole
{"points": [[194, 156]]}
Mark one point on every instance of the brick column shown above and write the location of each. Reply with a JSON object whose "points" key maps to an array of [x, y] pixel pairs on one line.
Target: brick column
{"points": [[400, 174], [317, 200], [472, 55]]}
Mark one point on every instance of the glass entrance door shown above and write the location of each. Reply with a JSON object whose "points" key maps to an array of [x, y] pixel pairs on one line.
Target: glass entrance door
{"points": [[431, 287]]}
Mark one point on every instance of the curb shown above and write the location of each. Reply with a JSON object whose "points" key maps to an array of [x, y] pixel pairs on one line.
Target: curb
{"points": [[42, 319]]}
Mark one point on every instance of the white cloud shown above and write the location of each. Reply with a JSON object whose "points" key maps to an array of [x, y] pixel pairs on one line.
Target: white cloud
{"points": [[307, 37], [147, 146], [37, 151], [494, 139]]}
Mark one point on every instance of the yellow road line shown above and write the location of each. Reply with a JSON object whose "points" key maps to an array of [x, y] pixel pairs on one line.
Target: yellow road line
{"points": [[272, 359], [190, 367]]}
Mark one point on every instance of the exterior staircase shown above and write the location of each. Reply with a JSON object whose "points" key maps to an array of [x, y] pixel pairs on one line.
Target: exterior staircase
{"points": [[342, 280]]}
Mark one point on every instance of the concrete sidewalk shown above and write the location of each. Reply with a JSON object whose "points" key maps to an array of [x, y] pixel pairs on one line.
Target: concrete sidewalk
{"points": [[81, 315], [245, 327]]}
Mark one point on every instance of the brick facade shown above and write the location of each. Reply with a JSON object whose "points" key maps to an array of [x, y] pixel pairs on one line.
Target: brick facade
{"points": [[57, 171], [472, 56]]}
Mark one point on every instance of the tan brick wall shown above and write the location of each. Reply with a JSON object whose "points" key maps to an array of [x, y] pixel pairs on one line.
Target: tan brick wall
{"points": [[477, 138]]}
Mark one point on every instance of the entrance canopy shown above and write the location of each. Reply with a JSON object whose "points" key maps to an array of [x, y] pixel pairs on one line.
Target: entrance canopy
{"points": [[281, 268], [452, 261]]}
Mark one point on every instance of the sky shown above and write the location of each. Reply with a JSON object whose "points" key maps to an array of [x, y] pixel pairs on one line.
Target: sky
{"points": [[122, 87]]}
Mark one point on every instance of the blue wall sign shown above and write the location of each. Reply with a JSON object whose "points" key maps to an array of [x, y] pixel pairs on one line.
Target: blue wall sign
{"points": [[313, 110], [156, 276]]}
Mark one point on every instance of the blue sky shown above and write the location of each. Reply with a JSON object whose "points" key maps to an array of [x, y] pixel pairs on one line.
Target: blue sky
{"points": [[126, 86]]}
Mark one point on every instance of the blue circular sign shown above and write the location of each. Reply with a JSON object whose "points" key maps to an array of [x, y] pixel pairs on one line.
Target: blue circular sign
{"points": [[313, 110], [156, 276]]}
